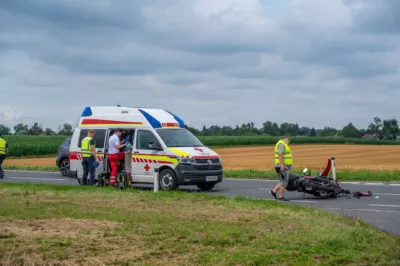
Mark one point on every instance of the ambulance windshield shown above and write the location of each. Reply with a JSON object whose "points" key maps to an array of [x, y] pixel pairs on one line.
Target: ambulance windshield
{"points": [[178, 137]]}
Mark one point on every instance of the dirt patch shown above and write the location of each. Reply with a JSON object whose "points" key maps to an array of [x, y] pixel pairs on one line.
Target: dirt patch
{"points": [[374, 157], [64, 242], [52, 227], [31, 162]]}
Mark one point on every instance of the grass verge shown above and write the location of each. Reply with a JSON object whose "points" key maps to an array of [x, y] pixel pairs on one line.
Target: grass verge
{"points": [[49, 224], [31, 168], [343, 175]]}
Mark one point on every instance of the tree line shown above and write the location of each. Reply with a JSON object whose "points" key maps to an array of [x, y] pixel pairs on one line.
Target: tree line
{"points": [[36, 129], [387, 129]]}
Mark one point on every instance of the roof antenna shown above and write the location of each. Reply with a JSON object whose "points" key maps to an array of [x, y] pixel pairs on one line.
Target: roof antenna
{"points": [[118, 104]]}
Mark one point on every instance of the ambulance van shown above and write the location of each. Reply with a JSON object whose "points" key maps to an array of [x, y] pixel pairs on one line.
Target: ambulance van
{"points": [[159, 140]]}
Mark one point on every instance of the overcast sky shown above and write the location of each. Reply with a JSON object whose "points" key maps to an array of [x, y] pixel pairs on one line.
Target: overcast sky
{"points": [[318, 63]]}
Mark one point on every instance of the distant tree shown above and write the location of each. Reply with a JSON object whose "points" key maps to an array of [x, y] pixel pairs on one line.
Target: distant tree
{"points": [[328, 131], [375, 127], [36, 129], [270, 128], [350, 131], [66, 130], [390, 129], [192, 130], [21, 129], [5, 130], [313, 132]]}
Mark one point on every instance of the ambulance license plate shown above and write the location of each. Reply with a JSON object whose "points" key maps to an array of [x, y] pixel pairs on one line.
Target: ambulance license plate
{"points": [[212, 178]]}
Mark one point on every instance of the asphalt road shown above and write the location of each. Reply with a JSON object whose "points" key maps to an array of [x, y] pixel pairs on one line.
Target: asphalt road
{"points": [[381, 210]]}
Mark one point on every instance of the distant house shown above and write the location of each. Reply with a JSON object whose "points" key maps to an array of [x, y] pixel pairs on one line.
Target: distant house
{"points": [[370, 136]]}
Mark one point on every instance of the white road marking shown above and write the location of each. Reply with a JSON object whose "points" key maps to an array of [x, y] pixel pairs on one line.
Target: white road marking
{"points": [[383, 205], [363, 210], [35, 178], [386, 194], [372, 184]]}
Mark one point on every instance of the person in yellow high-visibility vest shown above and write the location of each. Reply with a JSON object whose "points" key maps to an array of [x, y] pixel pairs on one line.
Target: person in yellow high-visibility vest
{"points": [[3, 153], [283, 165], [88, 150]]}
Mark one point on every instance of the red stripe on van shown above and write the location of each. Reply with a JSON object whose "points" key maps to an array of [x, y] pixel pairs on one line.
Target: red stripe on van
{"points": [[104, 121]]}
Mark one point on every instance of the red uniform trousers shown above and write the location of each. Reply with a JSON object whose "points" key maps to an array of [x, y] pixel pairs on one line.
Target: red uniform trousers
{"points": [[114, 158]]}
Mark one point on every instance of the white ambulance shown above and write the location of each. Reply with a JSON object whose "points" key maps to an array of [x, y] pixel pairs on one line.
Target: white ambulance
{"points": [[159, 140]]}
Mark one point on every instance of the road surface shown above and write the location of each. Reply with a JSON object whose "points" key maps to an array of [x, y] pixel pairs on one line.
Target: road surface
{"points": [[382, 210]]}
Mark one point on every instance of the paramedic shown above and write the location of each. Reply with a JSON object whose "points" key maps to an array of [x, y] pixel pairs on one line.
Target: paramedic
{"points": [[3, 152], [283, 165], [114, 153], [88, 150]]}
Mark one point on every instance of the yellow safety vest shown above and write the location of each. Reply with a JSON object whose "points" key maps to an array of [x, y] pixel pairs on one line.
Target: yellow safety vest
{"points": [[85, 147], [287, 154], [3, 144]]}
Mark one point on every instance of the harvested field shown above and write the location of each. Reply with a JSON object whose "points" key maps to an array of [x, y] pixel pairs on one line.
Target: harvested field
{"points": [[373, 157]]}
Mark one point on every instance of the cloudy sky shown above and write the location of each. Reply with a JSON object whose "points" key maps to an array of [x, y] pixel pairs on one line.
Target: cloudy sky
{"points": [[318, 63]]}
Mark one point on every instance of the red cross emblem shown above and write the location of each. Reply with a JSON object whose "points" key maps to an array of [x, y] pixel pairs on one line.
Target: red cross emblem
{"points": [[147, 167], [198, 149]]}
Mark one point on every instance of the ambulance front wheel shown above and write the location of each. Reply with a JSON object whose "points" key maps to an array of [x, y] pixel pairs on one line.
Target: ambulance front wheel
{"points": [[167, 180]]}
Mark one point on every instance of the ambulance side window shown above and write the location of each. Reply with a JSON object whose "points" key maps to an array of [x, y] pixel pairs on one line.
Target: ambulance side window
{"points": [[99, 137], [143, 138]]}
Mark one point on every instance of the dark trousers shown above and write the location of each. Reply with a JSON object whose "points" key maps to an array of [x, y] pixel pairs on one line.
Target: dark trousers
{"points": [[88, 167], [2, 157]]}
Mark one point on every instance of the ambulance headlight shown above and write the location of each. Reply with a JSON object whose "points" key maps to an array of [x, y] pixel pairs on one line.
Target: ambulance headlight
{"points": [[186, 160]]}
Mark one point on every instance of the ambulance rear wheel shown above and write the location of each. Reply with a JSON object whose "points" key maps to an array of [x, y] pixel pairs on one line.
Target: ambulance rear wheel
{"points": [[167, 180]]}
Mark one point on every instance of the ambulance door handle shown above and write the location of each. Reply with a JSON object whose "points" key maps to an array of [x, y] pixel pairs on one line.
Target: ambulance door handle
{"points": [[135, 152]]}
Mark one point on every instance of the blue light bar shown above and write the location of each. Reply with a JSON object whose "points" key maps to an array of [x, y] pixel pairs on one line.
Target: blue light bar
{"points": [[180, 121], [153, 122], [87, 112]]}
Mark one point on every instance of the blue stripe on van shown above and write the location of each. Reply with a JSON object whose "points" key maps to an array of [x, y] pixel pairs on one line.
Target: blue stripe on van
{"points": [[180, 121]]}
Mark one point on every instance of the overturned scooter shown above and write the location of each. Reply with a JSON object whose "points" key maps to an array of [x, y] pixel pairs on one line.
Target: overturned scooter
{"points": [[321, 185]]}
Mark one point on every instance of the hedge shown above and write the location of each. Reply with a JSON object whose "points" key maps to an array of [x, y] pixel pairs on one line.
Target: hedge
{"points": [[48, 145]]}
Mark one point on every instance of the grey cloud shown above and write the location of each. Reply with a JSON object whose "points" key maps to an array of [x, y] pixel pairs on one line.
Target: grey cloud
{"points": [[218, 64], [378, 17]]}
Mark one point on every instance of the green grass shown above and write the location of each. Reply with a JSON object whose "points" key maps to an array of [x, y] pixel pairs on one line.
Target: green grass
{"points": [[48, 145], [31, 168], [342, 175], [45, 224]]}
